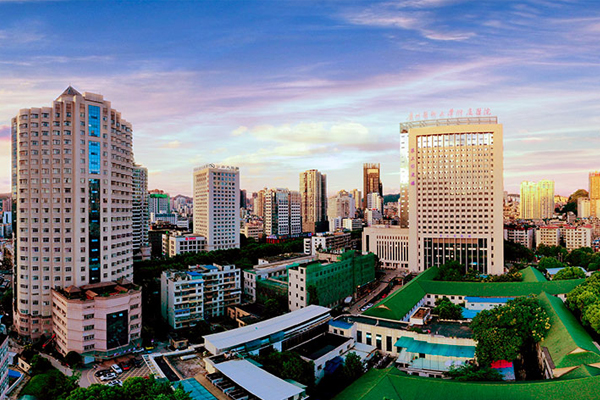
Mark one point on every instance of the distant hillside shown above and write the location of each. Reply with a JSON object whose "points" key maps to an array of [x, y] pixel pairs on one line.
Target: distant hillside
{"points": [[391, 198]]}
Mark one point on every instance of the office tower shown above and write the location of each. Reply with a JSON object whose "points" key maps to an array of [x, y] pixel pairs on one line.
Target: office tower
{"points": [[217, 206], [403, 212], [357, 195], [537, 200], [141, 216], [455, 193], [282, 212], [72, 180], [595, 194], [341, 205], [243, 198], [259, 203], [313, 191], [158, 203], [371, 181], [375, 202]]}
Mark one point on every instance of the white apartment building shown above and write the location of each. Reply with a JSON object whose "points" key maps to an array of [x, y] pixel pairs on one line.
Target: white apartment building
{"points": [[217, 206], [72, 183], [455, 193], [583, 207], [327, 241], [175, 243], [523, 236], [282, 212], [389, 243], [202, 292], [336, 224], [352, 224], [375, 202], [577, 236], [269, 269], [537, 200], [548, 235]]}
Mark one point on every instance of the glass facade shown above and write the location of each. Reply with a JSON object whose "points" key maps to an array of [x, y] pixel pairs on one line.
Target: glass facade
{"points": [[94, 121], [117, 329], [94, 157], [94, 231]]}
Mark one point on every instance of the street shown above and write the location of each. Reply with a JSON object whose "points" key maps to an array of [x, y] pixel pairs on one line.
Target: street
{"points": [[383, 283]]}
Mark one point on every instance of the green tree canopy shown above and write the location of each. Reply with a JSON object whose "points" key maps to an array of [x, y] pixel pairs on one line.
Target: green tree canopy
{"points": [[550, 262], [584, 301], [353, 367], [451, 271], [551, 251], [502, 332], [133, 389], [569, 273], [445, 309], [517, 252], [580, 257], [469, 372]]}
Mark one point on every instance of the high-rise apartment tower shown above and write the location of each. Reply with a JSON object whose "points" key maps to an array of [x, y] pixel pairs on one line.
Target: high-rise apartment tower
{"points": [[141, 215], [282, 212], [313, 192], [371, 182], [595, 194], [537, 200], [217, 206]]}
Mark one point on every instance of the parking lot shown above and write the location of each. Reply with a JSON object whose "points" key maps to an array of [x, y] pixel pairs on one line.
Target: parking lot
{"points": [[88, 376]]}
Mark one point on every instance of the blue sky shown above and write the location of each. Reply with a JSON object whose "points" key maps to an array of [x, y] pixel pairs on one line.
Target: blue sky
{"points": [[278, 87]]}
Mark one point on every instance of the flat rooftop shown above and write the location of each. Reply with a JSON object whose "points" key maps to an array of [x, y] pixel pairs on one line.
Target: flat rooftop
{"points": [[258, 381], [481, 120], [240, 336], [320, 345]]}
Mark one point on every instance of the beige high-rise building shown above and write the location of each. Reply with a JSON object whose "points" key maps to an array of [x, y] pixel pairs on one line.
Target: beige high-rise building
{"points": [[371, 182], [313, 194], [282, 212], [455, 193], [595, 194], [259, 203], [72, 182], [217, 206], [537, 200], [357, 195], [341, 205]]}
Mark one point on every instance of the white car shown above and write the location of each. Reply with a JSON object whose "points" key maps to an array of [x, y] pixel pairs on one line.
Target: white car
{"points": [[116, 368], [116, 382], [108, 377]]}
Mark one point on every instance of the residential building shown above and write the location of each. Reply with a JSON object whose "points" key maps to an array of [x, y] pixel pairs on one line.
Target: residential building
{"points": [[202, 292], [4, 361], [100, 320], [373, 217], [371, 181], [389, 243], [583, 207], [352, 224], [259, 203], [341, 205], [576, 237], [72, 180], [282, 212], [336, 224], [253, 229], [270, 268], [158, 203], [357, 196], [141, 215], [455, 193], [537, 200], [217, 206], [243, 198], [327, 241], [523, 235], [549, 235], [332, 282], [182, 205], [594, 194], [176, 242], [313, 194], [375, 202]]}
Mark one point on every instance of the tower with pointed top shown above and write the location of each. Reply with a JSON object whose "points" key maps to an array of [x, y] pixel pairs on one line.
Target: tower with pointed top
{"points": [[72, 169]]}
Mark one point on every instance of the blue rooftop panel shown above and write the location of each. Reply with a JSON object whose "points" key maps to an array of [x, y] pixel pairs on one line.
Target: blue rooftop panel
{"points": [[211, 267], [435, 349], [340, 324], [469, 314], [498, 300]]}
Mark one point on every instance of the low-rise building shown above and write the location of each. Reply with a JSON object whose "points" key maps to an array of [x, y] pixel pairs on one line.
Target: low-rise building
{"points": [[202, 292], [523, 235], [577, 236], [352, 224], [331, 283], [548, 235], [389, 243], [97, 320], [254, 230], [175, 243], [327, 241]]}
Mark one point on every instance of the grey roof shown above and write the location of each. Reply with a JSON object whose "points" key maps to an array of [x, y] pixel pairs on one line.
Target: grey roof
{"points": [[240, 336], [258, 381]]}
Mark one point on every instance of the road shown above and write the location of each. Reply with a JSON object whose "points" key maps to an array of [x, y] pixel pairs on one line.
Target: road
{"points": [[383, 283], [88, 378]]}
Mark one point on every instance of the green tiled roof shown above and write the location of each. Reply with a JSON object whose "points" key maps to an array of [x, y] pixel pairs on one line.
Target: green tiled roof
{"points": [[395, 385], [397, 305], [566, 335], [531, 274]]}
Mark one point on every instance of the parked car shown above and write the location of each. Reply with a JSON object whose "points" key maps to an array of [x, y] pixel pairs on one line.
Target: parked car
{"points": [[116, 368], [108, 377], [138, 362], [102, 372], [116, 382], [125, 366]]}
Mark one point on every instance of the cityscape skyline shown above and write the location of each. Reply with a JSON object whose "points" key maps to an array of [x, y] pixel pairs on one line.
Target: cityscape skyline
{"points": [[320, 86]]}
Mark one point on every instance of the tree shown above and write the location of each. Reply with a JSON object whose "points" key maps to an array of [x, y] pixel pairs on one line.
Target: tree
{"points": [[580, 257], [73, 358], [445, 309], [517, 252], [288, 365], [451, 271], [550, 262], [569, 273], [584, 301], [272, 309], [353, 367], [133, 389], [470, 372], [552, 251], [594, 264], [503, 332]]}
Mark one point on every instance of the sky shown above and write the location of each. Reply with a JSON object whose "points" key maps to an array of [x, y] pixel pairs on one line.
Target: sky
{"points": [[279, 87]]}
